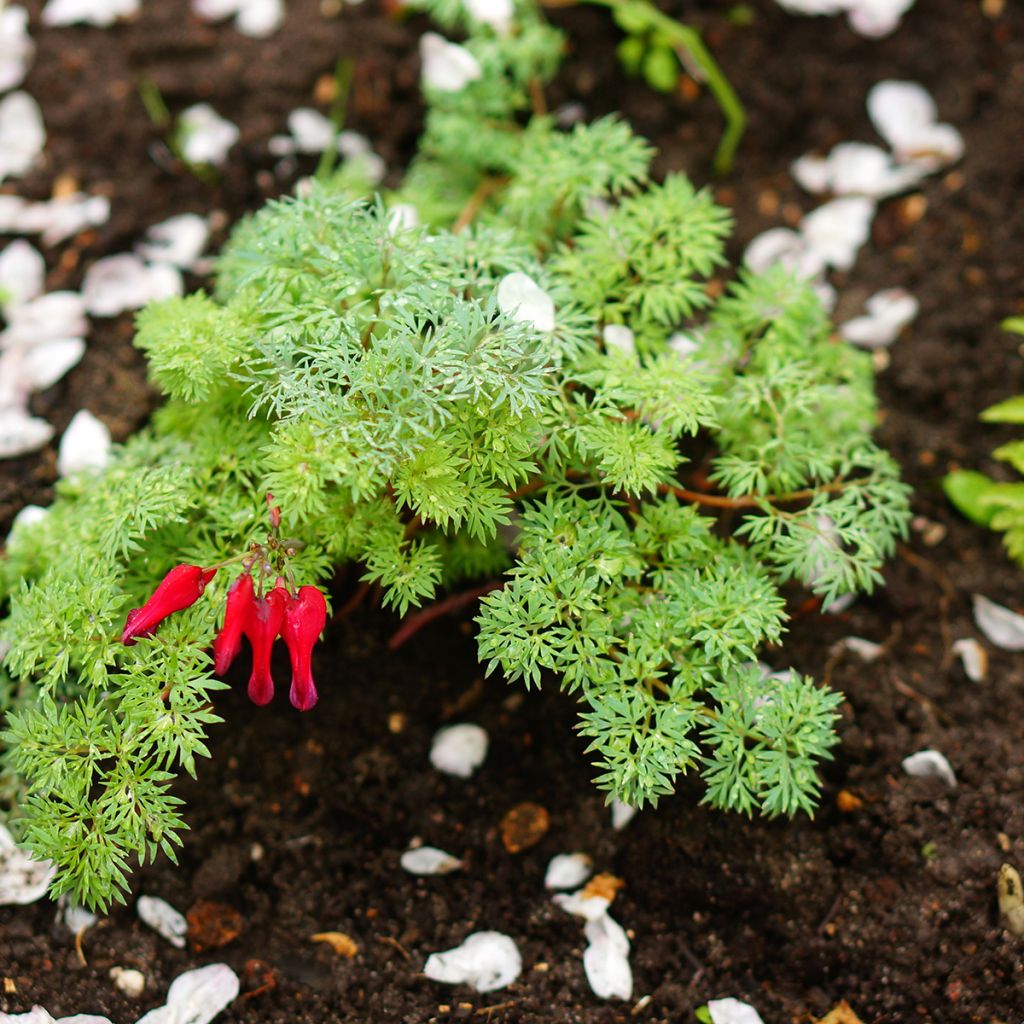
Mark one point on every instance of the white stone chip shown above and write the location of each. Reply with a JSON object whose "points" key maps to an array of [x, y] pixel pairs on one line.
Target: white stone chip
{"points": [[429, 860], [21, 433], [732, 1011], [622, 814], [88, 12], [196, 997], [590, 908], [486, 960], [124, 282], [85, 446], [974, 658], [129, 981], [204, 136], [59, 218], [855, 168], [22, 272], [927, 764], [496, 13], [905, 115], [888, 312], [836, 230], [1003, 627], [606, 959], [568, 870], [619, 338], [521, 298], [255, 18], [179, 241], [23, 879], [459, 749], [163, 919], [22, 134], [16, 47], [447, 67]]}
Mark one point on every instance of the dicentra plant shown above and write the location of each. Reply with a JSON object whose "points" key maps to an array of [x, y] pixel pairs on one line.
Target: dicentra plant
{"points": [[997, 504], [519, 367]]}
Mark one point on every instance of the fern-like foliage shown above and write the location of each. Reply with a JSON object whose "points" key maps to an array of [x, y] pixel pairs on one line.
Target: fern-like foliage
{"points": [[644, 506]]}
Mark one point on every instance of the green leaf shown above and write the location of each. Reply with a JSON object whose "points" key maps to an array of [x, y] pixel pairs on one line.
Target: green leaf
{"points": [[661, 69], [1009, 411], [967, 490]]}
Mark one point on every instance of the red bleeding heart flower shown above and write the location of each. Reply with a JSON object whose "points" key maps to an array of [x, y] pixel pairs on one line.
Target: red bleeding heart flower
{"points": [[262, 627], [304, 618], [236, 613], [179, 589]]}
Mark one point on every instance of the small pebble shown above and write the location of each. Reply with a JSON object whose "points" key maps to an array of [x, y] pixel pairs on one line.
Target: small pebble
{"points": [[459, 749], [129, 981]]}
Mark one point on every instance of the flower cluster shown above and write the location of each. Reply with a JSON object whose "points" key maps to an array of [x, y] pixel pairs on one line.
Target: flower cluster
{"points": [[297, 615]]}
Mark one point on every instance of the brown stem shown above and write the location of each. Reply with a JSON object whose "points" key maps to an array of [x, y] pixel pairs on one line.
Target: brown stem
{"points": [[476, 201], [412, 624]]}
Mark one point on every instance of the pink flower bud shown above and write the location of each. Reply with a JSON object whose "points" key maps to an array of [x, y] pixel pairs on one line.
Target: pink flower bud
{"points": [[179, 589], [236, 612], [262, 627], [304, 620]]}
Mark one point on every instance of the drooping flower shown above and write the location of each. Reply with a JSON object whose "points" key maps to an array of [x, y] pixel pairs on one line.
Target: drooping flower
{"points": [[179, 589], [236, 614], [262, 627], [304, 620]]}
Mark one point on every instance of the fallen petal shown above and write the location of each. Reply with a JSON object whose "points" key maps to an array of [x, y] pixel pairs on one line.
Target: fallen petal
{"points": [[459, 749], [1003, 627], [205, 137], [16, 47], [163, 919], [22, 271], [486, 960], [622, 815], [178, 241], [521, 298], [876, 19], [835, 231], [888, 312], [606, 959], [866, 650], [196, 997], [930, 763], [48, 318], [43, 365], [88, 12], [115, 284], [732, 1011], [619, 338], [23, 879], [21, 433], [22, 135], [85, 446], [428, 860], [581, 904], [447, 67], [974, 658]]}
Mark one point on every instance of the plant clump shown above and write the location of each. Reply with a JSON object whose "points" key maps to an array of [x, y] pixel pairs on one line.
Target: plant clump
{"points": [[520, 367]]}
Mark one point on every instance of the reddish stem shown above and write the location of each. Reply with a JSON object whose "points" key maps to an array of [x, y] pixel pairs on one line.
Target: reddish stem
{"points": [[412, 624]]}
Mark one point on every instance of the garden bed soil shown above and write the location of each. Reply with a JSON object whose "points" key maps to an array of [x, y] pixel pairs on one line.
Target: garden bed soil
{"points": [[887, 898]]}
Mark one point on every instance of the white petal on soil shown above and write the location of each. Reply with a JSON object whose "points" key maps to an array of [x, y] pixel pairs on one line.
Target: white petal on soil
{"points": [[255, 18], [835, 231], [622, 814], [866, 650], [43, 365], [85, 446], [619, 338], [60, 218], [11, 209], [129, 981], [22, 272], [520, 297], [196, 997], [732, 1011], [429, 860], [37, 1015], [486, 960], [927, 764], [52, 316], [75, 918], [568, 870], [21, 433], [22, 134], [904, 114], [178, 240], [606, 959], [683, 344], [311, 132], [459, 749], [876, 18], [29, 516], [590, 908], [163, 919], [813, 6], [22, 878], [447, 67], [780, 245], [855, 168], [496, 13], [888, 312], [205, 137], [88, 12], [1003, 627], [974, 658], [118, 283], [16, 47]]}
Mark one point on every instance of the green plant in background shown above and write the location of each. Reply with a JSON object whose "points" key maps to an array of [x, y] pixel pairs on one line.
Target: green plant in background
{"points": [[515, 367], [992, 503]]}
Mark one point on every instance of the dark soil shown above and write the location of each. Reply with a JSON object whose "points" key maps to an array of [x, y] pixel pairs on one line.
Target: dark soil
{"points": [[298, 822]]}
